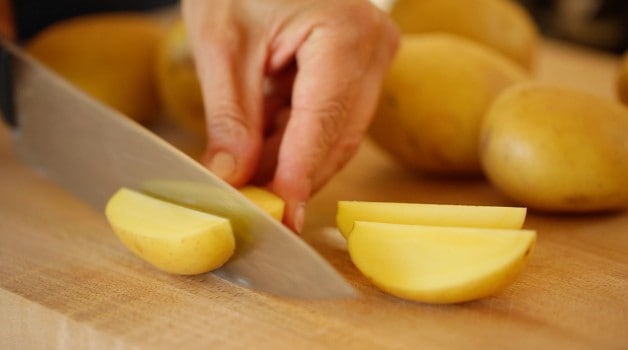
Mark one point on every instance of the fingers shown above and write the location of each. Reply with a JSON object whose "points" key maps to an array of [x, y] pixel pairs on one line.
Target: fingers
{"points": [[230, 65], [332, 104], [319, 115]]}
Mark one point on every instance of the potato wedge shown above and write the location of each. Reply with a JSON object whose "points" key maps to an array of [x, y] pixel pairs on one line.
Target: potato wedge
{"points": [[266, 200], [172, 238], [436, 264], [428, 214]]}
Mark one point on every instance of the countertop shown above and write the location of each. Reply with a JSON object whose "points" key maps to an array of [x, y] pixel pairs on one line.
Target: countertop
{"points": [[76, 287]]}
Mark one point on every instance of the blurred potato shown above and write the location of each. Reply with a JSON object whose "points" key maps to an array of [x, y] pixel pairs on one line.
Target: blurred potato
{"points": [[109, 56], [433, 99], [503, 25]]}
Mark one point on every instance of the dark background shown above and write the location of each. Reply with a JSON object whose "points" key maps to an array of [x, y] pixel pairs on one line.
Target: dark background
{"points": [[602, 24], [31, 16]]}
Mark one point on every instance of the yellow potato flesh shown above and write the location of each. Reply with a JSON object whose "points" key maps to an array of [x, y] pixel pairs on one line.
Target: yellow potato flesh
{"points": [[173, 238], [436, 264], [266, 200], [428, 214]]}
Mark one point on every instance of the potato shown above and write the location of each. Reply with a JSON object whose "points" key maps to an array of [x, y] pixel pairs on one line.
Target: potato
{"points": [[622, 79], [428, 214], [177, 82], [109, 56], [266, 200], [436, 264], [212, 199], [172, 238], [433, 100], [503, 25], [557, 149]]}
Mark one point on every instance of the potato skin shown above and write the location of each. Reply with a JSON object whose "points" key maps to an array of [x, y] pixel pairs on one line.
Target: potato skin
{"points": [[109, 56], [557, 149], [170, 237], [433, 99], [503, 25]]}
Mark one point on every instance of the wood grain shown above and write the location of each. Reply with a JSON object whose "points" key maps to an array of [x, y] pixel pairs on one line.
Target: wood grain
{"points": [[67, 283]]}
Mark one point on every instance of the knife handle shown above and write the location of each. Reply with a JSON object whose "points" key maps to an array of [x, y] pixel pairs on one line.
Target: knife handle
{"points": [[7, 97]]}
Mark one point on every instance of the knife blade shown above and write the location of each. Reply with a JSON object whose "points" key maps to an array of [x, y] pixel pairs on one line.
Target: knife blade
{"points": [[91, 150]]}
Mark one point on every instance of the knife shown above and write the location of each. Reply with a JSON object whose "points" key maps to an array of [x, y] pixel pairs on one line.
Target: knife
{"points": [[91, 150]]}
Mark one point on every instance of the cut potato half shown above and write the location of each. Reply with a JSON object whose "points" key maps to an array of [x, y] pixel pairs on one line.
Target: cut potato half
{"points": [[428, 214], [437, 264], [173, 238]]}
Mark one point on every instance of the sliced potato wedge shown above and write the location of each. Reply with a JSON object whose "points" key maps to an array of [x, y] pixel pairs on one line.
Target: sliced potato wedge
{"points": [[436, 264], [266, 200], [173, 238], [428, 214]]}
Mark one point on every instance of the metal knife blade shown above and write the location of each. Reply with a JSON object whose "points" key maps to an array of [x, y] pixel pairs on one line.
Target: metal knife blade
{"points": [[92, 150]]}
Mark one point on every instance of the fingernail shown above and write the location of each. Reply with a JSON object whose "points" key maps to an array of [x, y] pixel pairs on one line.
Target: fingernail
{"points": [[223, 165], [299, 217]]}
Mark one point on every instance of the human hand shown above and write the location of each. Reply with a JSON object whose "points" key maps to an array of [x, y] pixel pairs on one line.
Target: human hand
{"points": [[289, 88]]}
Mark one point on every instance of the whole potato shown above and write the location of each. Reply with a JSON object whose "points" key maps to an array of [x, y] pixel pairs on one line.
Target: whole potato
{"points": [[109, 56], [504, 25], [557, 149], [433, 99]]}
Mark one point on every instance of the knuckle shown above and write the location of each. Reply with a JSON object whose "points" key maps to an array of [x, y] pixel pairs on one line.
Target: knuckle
{"points": [[331, 119], [227, 122], [370, 20], [373, 31], [380, 26]]}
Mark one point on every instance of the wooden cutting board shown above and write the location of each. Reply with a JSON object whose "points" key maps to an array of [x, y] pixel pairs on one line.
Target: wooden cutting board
{"points": [[67, 283]]}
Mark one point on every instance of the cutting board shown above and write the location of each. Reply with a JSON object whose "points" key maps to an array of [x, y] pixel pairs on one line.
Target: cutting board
{"points": [[66, 282]]}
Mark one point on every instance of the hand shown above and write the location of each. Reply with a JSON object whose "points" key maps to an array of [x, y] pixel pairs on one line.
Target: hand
{"points": [[289, 87]]}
